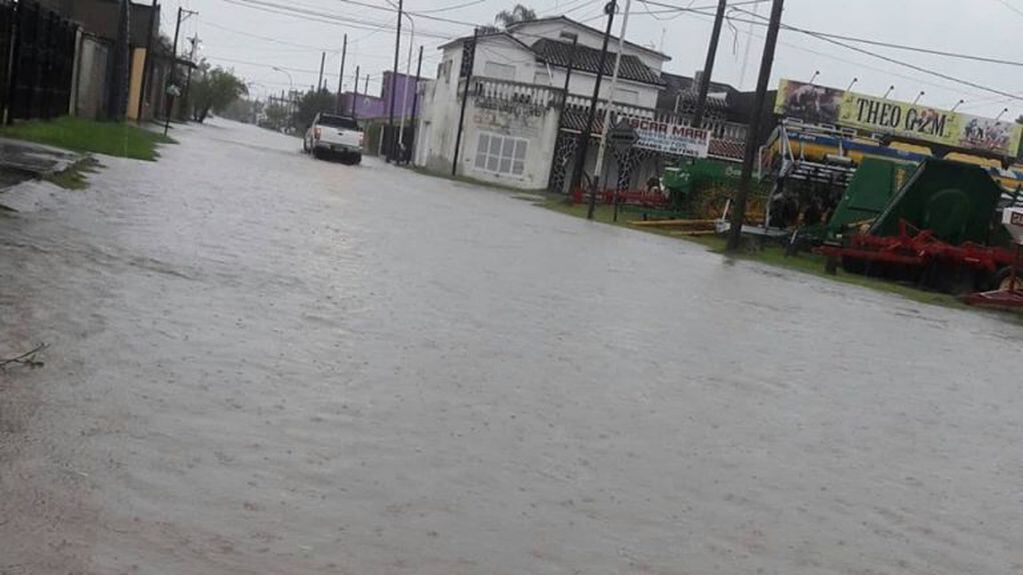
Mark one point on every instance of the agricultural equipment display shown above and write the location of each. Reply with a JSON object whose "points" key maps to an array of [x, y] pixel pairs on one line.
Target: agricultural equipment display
{"points": [[937, 229], [869, 192]]}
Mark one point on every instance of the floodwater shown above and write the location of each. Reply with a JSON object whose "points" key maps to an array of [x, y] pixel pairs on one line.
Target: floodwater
{"points": [[260, 363]]}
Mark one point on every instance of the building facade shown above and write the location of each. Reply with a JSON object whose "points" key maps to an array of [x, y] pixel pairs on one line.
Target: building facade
{"points": [[516, 98], [522, 123]]}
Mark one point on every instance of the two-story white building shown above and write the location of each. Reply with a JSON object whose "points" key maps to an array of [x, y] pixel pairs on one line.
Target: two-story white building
{"points": [[515, 82]]}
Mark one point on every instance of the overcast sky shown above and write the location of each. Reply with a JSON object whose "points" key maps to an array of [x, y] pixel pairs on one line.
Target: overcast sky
{"points": [[989, 28]]}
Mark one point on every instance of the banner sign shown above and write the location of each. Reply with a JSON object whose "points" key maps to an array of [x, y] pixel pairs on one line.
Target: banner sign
{"points": [[831, 106], [670, 138]]}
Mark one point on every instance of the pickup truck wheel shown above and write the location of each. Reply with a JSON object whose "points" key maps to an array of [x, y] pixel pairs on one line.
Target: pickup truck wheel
{"points": [[317, 154]]}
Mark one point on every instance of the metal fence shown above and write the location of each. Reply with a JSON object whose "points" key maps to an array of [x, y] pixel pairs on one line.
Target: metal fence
{"points": [[37, 47]]}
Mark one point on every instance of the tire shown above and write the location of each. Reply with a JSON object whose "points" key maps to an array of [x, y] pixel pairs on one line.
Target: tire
{"points": [[305, 146], [357, 159], [317, 154], [1003, 279]]}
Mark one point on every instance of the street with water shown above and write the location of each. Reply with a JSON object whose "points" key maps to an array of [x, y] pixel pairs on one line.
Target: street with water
{"points": [[262, 363]]}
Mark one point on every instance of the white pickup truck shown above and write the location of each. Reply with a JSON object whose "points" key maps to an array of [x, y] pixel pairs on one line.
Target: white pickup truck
{"points": [[332, 135]]}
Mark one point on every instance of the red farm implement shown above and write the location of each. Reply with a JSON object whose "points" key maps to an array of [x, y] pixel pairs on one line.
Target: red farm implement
{"points": [[648, 199], [913, 252]]}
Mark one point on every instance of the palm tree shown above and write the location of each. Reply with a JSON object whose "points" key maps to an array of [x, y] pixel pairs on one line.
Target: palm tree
{"points": [[517, 14]]}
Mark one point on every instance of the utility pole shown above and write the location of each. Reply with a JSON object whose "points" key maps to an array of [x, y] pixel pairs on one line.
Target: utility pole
{"points": [[564, 95], [404, 102], [174, 67], [415, 95], [607, 116], [753, 135], [465, 70], [394, 85], [584, 136], [117, 96], [188, 80], [341, 74], [568, 73], [708, 66], [323, 60], [355, 97], [147, 69]]}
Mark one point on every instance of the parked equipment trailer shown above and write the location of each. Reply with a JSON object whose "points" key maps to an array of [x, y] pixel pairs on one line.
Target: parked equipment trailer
{"points": [[936, 229]]}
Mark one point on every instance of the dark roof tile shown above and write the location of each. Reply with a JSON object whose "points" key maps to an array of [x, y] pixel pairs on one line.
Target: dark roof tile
{"points": [[558, 53]]}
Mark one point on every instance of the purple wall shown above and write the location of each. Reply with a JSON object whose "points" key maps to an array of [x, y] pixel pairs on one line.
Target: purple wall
{"points": [[376, 106]]}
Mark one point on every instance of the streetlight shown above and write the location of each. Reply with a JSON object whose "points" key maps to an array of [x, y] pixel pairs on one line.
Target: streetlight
{"points": [[959, 103], [291, 92], [814, 77], [849, 87], [918, 96], [890, 89], [999, 116], [291, 81]]}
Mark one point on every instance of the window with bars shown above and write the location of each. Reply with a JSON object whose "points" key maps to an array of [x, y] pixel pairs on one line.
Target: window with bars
{"points": [[501, 154]]}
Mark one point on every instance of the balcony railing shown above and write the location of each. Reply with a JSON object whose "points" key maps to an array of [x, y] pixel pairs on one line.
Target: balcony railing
{"points": [[491, 91], [719, 128]]}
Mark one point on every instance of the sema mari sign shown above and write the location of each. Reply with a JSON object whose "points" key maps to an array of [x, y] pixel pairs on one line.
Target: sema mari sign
{"points": [[902, 119], [670, 138]]}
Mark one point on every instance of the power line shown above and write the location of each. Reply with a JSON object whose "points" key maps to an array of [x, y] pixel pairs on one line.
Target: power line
{"points": [[1010, 6], [455, 7], [826, 38], [830, 56], [325, 17], [306, 47], [735, 6], [288, 68]]}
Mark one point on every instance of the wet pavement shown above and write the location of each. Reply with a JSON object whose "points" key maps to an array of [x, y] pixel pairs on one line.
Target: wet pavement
{"points": [[260, 363]]}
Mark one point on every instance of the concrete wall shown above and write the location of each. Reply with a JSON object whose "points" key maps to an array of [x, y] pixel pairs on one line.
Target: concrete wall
{"points": [[93, 65]]}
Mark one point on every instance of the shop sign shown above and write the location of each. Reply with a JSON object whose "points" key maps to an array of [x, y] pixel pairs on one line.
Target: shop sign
{"points": [[670, 138], [820, 104]]}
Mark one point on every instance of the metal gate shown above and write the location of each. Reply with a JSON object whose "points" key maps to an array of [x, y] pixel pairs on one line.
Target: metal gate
{"points": [[38, 50]]}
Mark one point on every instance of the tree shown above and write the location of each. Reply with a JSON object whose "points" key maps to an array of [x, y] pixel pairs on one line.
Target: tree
{"points": [[309, 104], [518, 13], [243, 110], [275, 116], [214, 89]]}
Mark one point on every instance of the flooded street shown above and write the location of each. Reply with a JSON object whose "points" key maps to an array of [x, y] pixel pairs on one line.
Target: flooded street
{"points": [[261, 363]]}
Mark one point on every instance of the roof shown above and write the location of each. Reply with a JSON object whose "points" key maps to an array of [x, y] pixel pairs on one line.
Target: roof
{"points": [[499, 34], [587, 59], [578, 24]]}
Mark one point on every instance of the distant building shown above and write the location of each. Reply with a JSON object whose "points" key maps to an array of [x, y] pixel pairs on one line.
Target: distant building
{"points": [[520, 125], [726, 115], [369, 107]]}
